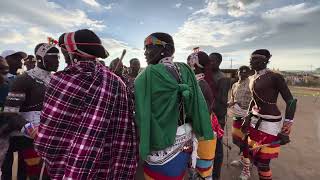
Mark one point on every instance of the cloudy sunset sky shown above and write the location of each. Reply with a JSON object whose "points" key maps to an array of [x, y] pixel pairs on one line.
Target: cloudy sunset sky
{"points": [[290, 29]]}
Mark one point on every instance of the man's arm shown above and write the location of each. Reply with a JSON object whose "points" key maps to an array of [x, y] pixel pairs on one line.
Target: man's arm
{"points": [[247, 119], [287, 97], [231, 102], [290, 103], [225, 87], [252, 103]]}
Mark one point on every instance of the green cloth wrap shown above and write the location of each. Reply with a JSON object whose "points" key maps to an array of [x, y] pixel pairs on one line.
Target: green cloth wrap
{"points": [[157, 107]]}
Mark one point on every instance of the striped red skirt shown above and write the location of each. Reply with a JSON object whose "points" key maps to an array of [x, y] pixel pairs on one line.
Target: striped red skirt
{"points": [[257, 138]]}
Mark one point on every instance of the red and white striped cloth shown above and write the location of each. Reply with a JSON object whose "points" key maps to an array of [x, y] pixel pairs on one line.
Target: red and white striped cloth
{"points": [[216, 126]]}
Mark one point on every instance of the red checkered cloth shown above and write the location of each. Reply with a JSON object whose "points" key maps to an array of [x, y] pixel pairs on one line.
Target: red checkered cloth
{"points": [[216, 126], [87, 130]]}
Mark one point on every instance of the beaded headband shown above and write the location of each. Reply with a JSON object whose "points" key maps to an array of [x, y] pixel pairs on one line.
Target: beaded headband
{"points": [[151, 40], [259, 56], [44, 48]]}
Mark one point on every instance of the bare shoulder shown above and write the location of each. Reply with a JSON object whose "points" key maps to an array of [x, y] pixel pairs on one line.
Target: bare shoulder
{"points": [[276, 75]]}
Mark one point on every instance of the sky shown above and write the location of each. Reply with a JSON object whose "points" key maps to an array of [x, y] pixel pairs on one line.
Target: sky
{"points": [[235, 28]]}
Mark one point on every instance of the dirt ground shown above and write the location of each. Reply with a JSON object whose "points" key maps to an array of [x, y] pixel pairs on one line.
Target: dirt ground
{"points": [[299, 160]]}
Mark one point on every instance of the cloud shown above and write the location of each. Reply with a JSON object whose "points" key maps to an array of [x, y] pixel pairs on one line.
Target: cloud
{"points": [[236, 8], [291, 27], [178, 5], [251, 38], [204, 31], [115, 48], [29, 38], [249, 1], [109, 6], [114, 45], [93, 3], [290, 13], [233, 8], [213, 8], [48, 15], [11, 37], [97, 6], [35, 35], [190, 8], [24, 25]]}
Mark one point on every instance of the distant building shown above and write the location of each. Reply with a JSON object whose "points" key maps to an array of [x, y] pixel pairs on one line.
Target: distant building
{"points": [[301, 78]]}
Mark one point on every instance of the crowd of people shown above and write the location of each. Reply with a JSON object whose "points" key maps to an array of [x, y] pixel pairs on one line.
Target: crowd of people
{"points": [[90, 121]]}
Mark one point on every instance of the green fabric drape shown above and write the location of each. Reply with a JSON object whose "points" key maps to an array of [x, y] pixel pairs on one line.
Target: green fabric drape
{"points": [[157, 102]]}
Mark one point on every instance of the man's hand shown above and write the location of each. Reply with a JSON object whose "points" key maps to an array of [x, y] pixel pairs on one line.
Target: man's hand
{"points": [[284, 139], [31, 130], [286, 129]]}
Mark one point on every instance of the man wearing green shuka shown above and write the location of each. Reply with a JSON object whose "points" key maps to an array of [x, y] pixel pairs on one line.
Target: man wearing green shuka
{"points": [[170, 109]]}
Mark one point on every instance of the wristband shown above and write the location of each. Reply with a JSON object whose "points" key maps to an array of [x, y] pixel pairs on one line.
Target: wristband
{"points": [[288, 120]]}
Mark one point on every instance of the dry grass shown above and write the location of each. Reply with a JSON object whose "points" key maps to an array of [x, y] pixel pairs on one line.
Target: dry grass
{"points": [[304, 91]]}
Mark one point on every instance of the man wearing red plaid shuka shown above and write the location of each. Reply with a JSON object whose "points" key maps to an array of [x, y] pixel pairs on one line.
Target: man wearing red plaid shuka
{"points": [[87, 130]]}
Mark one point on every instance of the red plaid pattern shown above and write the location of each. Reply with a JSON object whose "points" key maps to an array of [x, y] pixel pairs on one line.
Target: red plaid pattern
{"points": [[216, 126], [87, 129]]}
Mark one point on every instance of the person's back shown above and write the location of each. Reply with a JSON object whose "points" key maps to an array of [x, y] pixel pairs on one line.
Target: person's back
{"points": [[169, 108], [223, 86], [171, 84], [87, 129]]}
